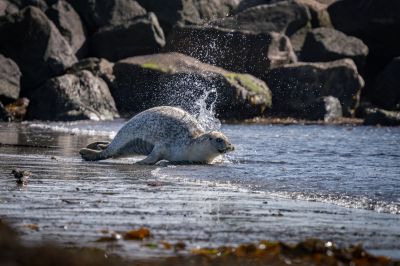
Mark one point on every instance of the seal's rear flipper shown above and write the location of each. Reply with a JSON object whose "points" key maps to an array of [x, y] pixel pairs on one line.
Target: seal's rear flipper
{"points": [[91, 155], [98, 145]]}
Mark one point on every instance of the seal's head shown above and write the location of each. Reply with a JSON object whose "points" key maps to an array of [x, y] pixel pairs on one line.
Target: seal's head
{"points": [[218, 142], [208, 146]]}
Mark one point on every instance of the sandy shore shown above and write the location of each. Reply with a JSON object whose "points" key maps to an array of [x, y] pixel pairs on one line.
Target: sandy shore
{"points": [[74, 203]]}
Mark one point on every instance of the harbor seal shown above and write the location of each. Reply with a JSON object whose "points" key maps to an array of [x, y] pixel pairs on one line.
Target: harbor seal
{"points": [[162, 133]]}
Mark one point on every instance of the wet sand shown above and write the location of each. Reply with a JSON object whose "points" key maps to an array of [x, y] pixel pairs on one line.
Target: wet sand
{"points": [[72, 201]]}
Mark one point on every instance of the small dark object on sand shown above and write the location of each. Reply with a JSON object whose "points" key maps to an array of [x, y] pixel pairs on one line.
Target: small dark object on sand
{"points": [[21, 176]]}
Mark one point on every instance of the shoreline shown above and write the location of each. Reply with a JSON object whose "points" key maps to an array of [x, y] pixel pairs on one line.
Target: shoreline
{"points": [[72, 201], [345, 121]]}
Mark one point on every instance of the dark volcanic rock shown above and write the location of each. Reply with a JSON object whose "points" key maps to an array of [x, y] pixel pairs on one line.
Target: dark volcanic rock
{"points": [[234, 50], [140, 36], [69, 24], [318, 10], [327, 44], [188, 12], [99, 67], [386, 92], [288, 17], [284, 16], [375, 22], [375, 116], [295, 86], [34, 43], [9, 80], [172, 12], [99, 13], [73, 97], [327, 108], [175, 79]]}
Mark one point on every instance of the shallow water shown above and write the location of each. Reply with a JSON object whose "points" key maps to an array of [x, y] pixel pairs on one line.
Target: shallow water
{"points": [[282, 183], [356, 167]]}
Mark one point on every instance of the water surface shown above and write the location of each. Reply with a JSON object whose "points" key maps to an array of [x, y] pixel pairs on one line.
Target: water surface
{"points": [[283, 183]]}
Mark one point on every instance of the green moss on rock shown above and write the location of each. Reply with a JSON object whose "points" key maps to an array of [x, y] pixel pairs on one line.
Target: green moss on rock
{"points": [[248, 82], [155, 67]]}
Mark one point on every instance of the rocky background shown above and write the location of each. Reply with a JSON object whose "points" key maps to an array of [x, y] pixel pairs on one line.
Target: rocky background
{"points": [[101, 59]]}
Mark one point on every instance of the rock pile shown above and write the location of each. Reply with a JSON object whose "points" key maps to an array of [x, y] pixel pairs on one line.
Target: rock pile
{"points": [[98, 59]]}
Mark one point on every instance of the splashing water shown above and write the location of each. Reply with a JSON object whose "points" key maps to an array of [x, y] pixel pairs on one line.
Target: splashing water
{"points": [[206, 115], [196, 95]]}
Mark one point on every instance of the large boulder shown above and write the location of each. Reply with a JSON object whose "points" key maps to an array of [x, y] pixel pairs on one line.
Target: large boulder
{"points": [[326, 108], [73, 97], [386, 92], [69, 24], [295, 86], [188, 12], [375, 22], [172, 12], [287, 17], [318, 10], [175, 79], [376, 116], [234, 50], [34, 43], [99, 13], [142, 35], [9, 80], [327, 44], [283, 16]]}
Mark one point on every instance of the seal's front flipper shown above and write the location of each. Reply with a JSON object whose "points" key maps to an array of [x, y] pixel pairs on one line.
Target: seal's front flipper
{"points": [[98, 145], [91, 155], [152, 158]]}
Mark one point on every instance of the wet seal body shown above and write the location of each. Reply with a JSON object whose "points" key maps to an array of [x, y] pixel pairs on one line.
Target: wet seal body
{"points": [[162, 133]]}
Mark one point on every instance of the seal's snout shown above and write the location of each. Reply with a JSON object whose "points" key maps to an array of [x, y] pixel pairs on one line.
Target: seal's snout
{"points": [[231, 147], [228, 147]]}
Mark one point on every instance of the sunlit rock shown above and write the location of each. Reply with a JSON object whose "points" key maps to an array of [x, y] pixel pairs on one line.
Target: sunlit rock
{"points": [[142, 35], [234, 50], [73, 97], [99, 13], [68, 22], [327, 44], [287, 17], [326, 108], [375, 116], [318, 9], [188, 11], [295, 86], [175, 79], [31, 40]]}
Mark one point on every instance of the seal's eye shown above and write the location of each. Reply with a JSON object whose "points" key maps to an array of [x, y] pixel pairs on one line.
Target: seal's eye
{"points": [[219, 140]]}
